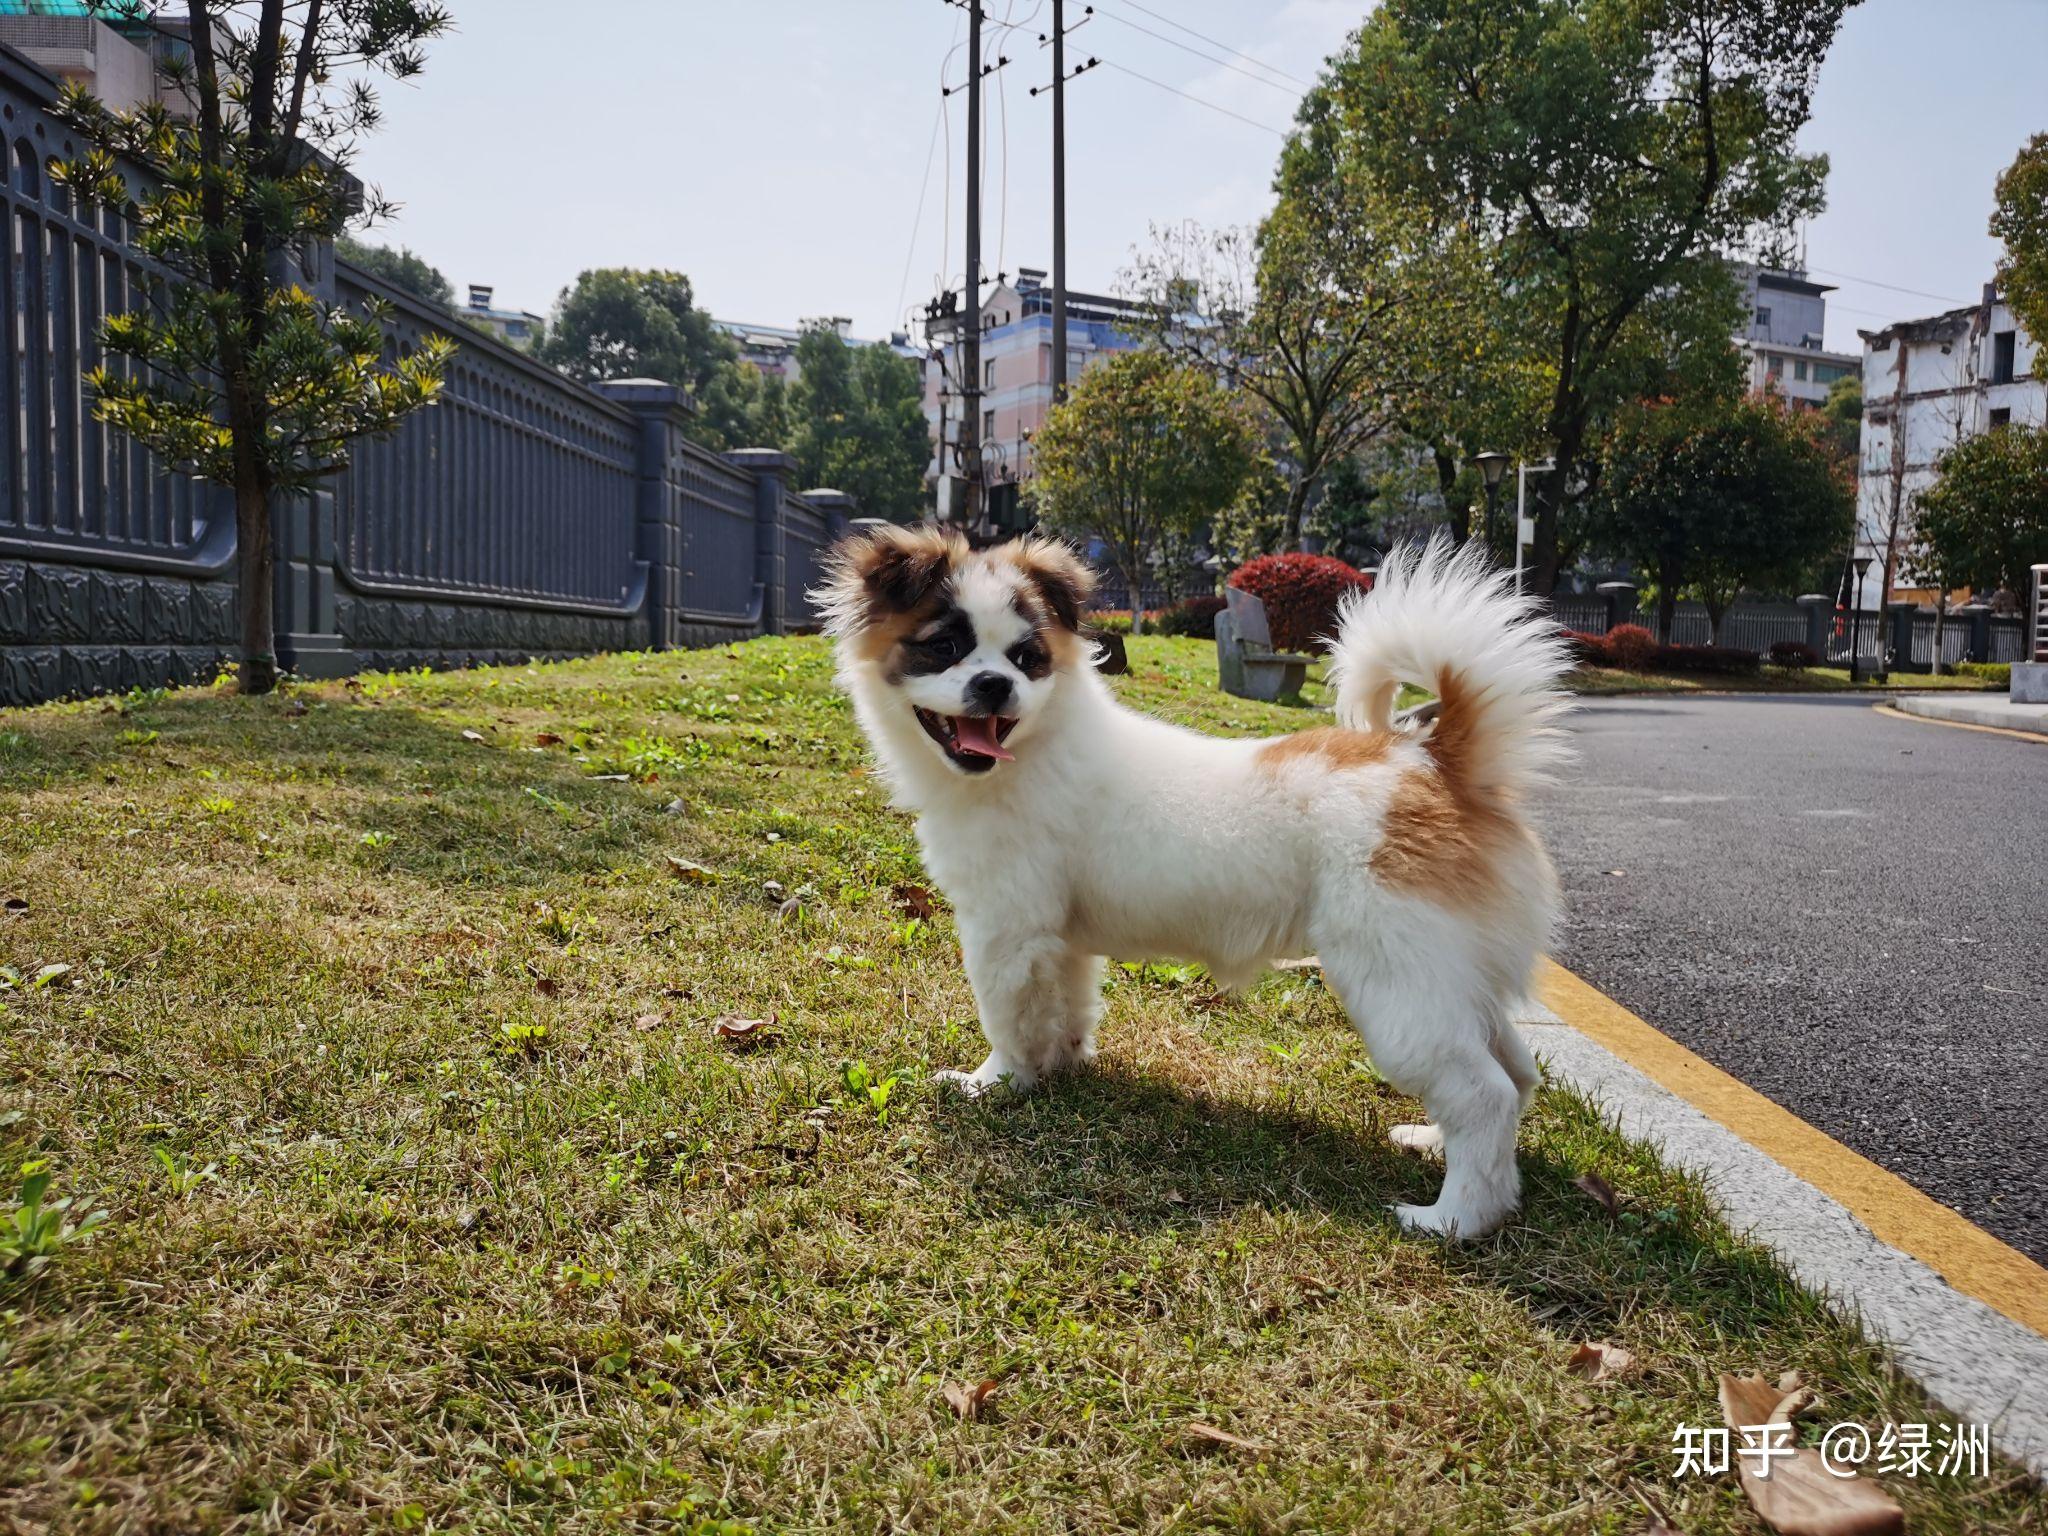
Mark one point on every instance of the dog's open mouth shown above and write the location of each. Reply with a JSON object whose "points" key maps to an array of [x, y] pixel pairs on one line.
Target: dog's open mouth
{"points": [[973, 742]]}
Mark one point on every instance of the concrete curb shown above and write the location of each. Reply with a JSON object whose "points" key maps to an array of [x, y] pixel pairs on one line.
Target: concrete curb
{"points": [[1990, 710], [1979, 1364]]}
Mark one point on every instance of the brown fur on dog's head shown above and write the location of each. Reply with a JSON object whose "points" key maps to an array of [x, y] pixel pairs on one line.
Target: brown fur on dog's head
{"points": [[884, 581]]}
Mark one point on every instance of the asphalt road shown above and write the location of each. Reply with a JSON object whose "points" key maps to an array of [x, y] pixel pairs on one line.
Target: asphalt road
{"points": [[1847, 911]]}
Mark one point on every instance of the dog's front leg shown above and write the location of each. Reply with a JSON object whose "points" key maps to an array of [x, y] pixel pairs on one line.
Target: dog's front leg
{"points": [[1020, 984]]}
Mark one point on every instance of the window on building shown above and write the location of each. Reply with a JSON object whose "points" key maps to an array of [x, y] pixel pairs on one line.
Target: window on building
{"points": [[988, 374], [1775, 367], [1076, 360], [988, 426], [1799, 369], [1763, 317], [2002, 343], [2001, 416]]}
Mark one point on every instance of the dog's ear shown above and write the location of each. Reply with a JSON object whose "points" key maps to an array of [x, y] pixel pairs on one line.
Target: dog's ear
{"points": [[885, 570], [1061, 577]]}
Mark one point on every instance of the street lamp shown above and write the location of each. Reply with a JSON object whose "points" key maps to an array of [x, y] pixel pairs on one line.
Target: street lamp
{"points": [[1491, 467], [1862, 564]]}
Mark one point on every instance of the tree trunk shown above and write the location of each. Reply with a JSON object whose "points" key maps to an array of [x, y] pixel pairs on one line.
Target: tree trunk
{"points": [[1714, 613], [1297, 504], [1541, 575], [1667, 603], [253, 574], [1447, 487]]}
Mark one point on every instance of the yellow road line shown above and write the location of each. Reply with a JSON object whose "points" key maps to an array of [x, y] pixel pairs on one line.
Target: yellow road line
{"points": [[1963, 1254], [1962, 725]]}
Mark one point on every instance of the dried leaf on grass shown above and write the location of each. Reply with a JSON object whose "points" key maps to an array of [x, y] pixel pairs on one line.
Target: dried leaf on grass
{"points": [[1798, 1495], [547, 986], [1599, 1361], [913, 900], [1207, 1437], [970, 1402], [647, 1021], [546, 739], [472, 735], [690, 871], [1600, 1190], [17, 904], [734, 1030]]}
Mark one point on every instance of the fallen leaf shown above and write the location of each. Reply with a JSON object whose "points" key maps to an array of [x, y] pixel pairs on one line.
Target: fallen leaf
{"points": [[673, 808], [1798, 1495], [17, 904], [773, 890], [913, 900], [1617, 873], [794, 907], [53, 975], [735, 1030], [648, 1021], [690, 870], [969, 1402], [546, 739], [547, 986], [1600, 1190], [1210, 1003], [472, 735], [1305, 963], [1207, 1437], [611, 778], [1599, 1361]]}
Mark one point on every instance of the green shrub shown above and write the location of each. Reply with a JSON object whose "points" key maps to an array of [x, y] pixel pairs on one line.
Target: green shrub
{"points": [[1998, 673]]}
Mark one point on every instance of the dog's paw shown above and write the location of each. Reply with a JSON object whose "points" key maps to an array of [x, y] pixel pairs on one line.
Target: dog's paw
{"points": [[1440, 1220], [1426, 1139], [990, 1074]]}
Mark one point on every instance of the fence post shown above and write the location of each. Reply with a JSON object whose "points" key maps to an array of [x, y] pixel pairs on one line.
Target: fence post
{"points": [[771, 469], [1820, 611], [1620, 598], [661, 411], [1978, 616], [1900, 641], [838, 508]]}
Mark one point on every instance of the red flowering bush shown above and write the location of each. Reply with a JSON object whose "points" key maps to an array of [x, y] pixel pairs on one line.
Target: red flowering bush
{"points": [[1301, 593], [1630, 647], [1192, 617], [1795, 655]]}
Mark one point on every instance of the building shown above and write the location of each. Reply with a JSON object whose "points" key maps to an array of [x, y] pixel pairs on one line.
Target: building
{"points": [[771, 349], [515, 327], [114, 49], [1928, 384], [1785, 336], [1016, 379]]}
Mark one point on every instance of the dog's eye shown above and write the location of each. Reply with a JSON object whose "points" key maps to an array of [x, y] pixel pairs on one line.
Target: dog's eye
{"points": [[944, 646], [1029, 658]]}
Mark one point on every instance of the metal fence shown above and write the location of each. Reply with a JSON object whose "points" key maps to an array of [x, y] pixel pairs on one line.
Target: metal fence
{"points": [[522, 515]]}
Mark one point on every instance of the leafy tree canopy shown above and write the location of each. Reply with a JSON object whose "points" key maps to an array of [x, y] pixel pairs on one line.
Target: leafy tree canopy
{"points": [[1143, 449], [1605, 151], [857, 424], [2021, 221], [1984, 522], [1720, 496], [400, 268]]}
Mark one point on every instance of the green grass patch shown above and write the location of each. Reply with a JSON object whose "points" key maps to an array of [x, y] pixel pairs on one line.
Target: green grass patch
{"points": [[435, 1200]]}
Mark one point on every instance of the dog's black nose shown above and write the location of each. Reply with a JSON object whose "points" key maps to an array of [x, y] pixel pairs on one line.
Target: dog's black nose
{"points": [[990, 691]]}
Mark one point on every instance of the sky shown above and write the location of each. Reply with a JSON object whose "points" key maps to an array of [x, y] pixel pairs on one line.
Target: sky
{"points": [[796, 160]]}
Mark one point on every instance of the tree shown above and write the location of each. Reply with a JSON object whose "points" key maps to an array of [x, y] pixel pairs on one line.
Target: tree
{"points": [[1141, 448], [857, 423], [400, 268], [1719, 496], [241, 375], [1608, 149], [1984, 521], [1319, 316], [624, 323], [2021, 221]]}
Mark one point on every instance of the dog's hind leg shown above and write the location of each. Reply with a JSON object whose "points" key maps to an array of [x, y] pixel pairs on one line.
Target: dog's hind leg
{"points": [[1434, 1040]]}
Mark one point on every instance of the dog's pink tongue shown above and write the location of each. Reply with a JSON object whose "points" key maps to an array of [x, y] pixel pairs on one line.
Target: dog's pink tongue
{"points": [[977, 734]]}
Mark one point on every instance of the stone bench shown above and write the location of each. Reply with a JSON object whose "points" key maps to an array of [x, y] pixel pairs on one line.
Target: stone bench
{"points": [[1247, 666]]}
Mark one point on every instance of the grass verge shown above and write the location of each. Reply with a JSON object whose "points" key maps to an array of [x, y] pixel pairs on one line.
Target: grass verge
{"points": [[435, 1201]]}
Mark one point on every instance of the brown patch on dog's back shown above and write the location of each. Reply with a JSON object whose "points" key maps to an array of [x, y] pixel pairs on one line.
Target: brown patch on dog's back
{"points": [[1335, 745]]}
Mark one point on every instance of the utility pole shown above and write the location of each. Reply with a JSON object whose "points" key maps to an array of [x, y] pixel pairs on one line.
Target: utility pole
{"points": [[970, 337], [1059, 201], [1059, 190]]}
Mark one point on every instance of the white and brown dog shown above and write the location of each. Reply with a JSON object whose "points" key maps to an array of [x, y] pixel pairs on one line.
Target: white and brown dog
{"points": [[1065, 827]]}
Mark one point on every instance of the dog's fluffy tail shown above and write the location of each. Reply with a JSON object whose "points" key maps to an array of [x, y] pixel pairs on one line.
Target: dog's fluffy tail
{"points": [[1447, 619]]}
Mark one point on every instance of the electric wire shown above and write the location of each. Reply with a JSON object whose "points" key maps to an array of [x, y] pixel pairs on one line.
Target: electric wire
{"points": [[1274, 85], [1197, 100], [1216, 43]]}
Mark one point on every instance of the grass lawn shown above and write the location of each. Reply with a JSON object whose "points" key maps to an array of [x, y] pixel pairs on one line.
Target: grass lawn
{"points": [[436, 1202]]}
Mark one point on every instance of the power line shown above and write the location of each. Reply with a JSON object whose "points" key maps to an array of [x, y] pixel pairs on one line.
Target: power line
{"points": [[1272, 85], [1217, 43], [917, 220], [1871, 282], [1198, 101]]}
